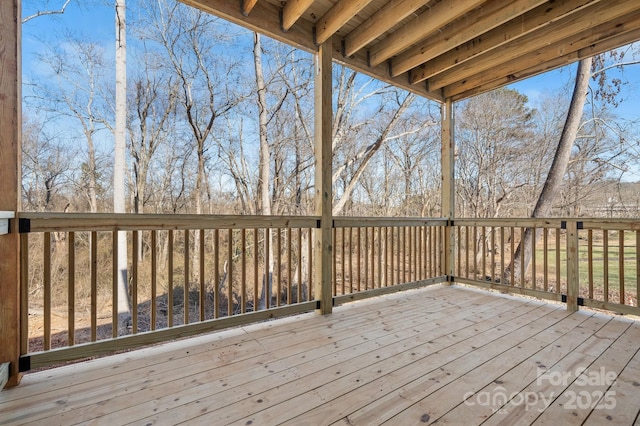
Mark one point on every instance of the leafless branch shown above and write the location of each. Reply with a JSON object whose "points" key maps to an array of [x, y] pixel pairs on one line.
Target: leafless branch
{"points": [[47, 12]]}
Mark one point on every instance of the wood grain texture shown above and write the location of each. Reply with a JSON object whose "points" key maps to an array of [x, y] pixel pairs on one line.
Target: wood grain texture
{"points": [[10, 185], [402, 359]]}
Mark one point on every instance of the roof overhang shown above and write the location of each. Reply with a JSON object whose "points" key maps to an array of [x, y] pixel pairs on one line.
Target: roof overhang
{"points": [[440, 48]]}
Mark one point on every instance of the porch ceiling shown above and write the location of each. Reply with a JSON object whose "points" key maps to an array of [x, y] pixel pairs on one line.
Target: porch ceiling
{"points": [[440, 48]]}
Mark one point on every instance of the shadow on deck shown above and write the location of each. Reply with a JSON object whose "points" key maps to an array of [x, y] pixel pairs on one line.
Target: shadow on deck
{"points": [[440, 354]]}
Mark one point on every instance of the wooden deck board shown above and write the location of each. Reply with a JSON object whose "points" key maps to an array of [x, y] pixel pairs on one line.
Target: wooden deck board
{"points": [[406, 358]]}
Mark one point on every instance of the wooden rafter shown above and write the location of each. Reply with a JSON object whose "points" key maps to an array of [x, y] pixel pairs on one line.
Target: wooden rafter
{"points": [[247, 6], [434, 48], [486, 18], [591, 42], [336, 17], [392, 13], [292, 11], [582, 20], [431, 20], [535, 20]]}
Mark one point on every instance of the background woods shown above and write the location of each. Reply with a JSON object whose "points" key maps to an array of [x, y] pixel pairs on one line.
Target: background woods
{"points": [[219, 120]]}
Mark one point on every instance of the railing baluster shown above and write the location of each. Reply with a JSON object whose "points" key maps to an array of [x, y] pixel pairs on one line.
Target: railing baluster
{"points": [[379, 257], [534, 276], [557, 287], [394, 253], [134, 281], [483, 240], [350, 260], [201, 259], [358, 256], [94, 285], [419, 250], [230, 274], [512, 232], [24, 293], [268, 277], [467, 247], [289, 264], [638, 268], [114, 285], [545, 259], [255, 270], [154, 278], [366, 258], [590, 261], [342, 261], [243, 279], [522, 268], [170, 278], [187, 272], [475, 252], [493, 254], [278, 267], [605, 259], [502, 255], [335, 261], [71, 289], [310, 294], [216, 273], [387, 255], [299, 267], [47, 290], [621, 265]]}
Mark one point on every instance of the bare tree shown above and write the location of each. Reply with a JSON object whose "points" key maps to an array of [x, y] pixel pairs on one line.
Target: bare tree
{"points": [[46, 11], [46, 164], [120, 163], [74, 88], [494, 133]]}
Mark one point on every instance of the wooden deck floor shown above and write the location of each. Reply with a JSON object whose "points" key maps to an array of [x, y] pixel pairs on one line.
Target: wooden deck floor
{"points": [[441, 354]]}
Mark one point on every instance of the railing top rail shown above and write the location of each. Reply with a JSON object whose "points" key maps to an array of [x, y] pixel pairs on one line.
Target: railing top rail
{"points": [[357, 222], [508, 222], [611, 224], [584, 223], [48, 222]]}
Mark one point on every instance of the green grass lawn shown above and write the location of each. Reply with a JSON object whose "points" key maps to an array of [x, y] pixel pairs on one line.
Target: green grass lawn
{"points": [[597, 266]]}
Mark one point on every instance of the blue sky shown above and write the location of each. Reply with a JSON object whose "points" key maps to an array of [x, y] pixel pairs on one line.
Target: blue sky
{"points": [[95, 20], [101, 24]]}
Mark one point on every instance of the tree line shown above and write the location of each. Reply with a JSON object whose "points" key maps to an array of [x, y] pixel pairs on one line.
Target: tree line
{"points": [[220, 120]]}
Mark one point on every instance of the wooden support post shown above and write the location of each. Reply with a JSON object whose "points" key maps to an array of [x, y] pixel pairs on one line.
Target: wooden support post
{"points": [[448, 187], [572, 265], [323, 189], [10, 174]]}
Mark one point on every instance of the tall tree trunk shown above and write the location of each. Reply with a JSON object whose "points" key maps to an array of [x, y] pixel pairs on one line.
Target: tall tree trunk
{"points": [[264, 167], [119, 165], [559, 165]]}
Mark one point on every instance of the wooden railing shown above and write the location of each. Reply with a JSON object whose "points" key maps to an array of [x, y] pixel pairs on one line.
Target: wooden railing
{"points": [[186, 275], [383, 255], [589, 262], [189, 274]]}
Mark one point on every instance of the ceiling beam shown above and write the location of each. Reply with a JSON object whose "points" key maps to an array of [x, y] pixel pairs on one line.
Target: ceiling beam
{"points": [[336, 17], [488, 17], [459, 91], [292, 11], [264, 19], [578, 22], [427, 22], [247, 6], [533, 20], [384, 19]]}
